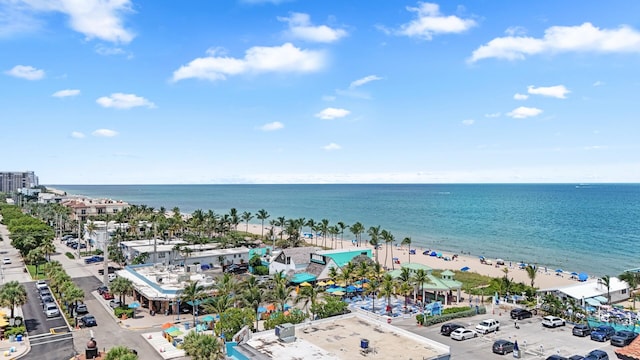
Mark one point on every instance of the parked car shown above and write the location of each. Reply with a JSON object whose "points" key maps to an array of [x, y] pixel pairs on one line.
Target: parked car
{"points": [[463, 334], [521, 314], [81, 309], [44, 293], [597, 355], [41, 284], [447, 328], [556, 357], [115, 303], [6, 261], [487, 326], [602, 333], [623, 338], [102, 289], [93, 259], [110, 270], [47, 299], [552, 321], [576, 357], [502, 347], [51, 309], [581, 330], [107, 295], [88, 321]]}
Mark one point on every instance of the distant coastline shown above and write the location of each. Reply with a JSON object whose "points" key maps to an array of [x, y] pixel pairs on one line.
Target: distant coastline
{"points": [[558, 225]]}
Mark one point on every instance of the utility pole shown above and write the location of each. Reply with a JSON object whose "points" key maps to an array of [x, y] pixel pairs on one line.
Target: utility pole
{"points": [[105, 275], [79, 236]]}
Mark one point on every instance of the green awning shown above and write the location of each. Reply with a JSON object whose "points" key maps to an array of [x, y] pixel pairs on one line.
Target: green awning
{"points": [[302, 277]]}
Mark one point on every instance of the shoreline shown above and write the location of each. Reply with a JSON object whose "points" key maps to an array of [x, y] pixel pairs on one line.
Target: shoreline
{"points": [[543, 280]]}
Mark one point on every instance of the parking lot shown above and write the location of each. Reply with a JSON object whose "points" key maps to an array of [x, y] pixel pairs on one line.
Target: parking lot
{"points": [[534, 340]]}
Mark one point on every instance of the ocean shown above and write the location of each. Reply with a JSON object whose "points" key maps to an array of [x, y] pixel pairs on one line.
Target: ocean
{"points": [[591, 228]]}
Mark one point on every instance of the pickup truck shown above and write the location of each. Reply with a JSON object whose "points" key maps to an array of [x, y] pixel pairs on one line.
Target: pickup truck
{"points": [[487, 326]]}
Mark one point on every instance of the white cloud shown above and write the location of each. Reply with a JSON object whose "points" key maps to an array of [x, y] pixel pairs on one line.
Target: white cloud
{"points": [[332, 113], [598, 83], [26, 72], [364, 80], [431, 22], [492, 115], [104, 50], [328, 98], [519, 96], [104, 133], [66, 93], [558, 91], [558, 39], [595, 147], [258, 59], [524, 112], [124, 101], [272, 126], [102, 19], [468, 122], [332, 146], [77, 135], [300, 27]]}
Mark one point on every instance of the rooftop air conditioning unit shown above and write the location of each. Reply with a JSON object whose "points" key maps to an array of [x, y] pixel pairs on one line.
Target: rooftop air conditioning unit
{"points": [[286, 332], [158, 279]]}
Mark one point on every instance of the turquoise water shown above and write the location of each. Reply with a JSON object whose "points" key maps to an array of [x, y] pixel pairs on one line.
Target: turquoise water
{"points": [[591, 228]]}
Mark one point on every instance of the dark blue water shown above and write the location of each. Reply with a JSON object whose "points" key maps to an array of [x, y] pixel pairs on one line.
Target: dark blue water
{"points": [[592, 228]]}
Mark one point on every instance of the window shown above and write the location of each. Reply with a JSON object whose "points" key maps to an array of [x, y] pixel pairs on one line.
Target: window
{"points": [[161, 255], [624, 291], [83, 211]]}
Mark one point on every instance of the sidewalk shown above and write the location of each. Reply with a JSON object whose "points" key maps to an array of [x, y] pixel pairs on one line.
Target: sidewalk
{"points": [[14, 349]]}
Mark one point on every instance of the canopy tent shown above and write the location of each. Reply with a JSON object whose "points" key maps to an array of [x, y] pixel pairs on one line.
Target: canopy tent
{"points": [[175, 332], [302, 277], [210, 318], [593, 302]]}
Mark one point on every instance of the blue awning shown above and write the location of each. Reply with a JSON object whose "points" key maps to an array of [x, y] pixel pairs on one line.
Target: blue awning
{"points": [[302, 277], [601, 299], [593, 302]]}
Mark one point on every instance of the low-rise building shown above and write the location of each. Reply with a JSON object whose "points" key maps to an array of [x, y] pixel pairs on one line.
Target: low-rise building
{"points": [[592, 292], [83, 208]]}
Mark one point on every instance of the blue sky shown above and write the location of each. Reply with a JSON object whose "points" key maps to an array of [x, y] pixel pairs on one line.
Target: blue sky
{"points": [[349, 91]]}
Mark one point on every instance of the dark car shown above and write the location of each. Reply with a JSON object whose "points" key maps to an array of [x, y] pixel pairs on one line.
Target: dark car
{"points": [[581, 330], [623, 338], [521, 314], [602, 333], [597, 355], [448, 328], [502, 347], [110, 270], [576, 357], [47, 299], [88, 321], [102, 289], [556, 357]]}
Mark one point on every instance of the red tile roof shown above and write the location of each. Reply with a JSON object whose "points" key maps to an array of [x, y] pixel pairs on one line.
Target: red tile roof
{"points": [[631, 351]]}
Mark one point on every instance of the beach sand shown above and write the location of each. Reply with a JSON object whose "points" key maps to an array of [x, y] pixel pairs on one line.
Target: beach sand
{"points": [[543, 280]]}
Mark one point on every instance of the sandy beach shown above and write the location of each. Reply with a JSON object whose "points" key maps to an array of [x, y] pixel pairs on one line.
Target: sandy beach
{"points": [[543, 279]]}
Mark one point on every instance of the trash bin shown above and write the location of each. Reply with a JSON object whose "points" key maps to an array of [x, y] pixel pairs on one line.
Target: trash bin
{"points": [[186, 326], [18, 338]]}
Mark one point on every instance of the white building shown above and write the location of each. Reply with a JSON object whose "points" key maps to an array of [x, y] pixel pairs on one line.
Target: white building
{"points": [[592, 291], [292, 260]]}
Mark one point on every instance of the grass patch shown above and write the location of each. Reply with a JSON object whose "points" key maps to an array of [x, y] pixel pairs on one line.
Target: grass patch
{"points": [[32, 271], [70, 255], [469, 280]]}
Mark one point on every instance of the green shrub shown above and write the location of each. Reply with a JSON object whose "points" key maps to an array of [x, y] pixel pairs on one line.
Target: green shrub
{"points": [[261, 270], [123, 310], [420, 319], [454, 310], [15, 330], [295, 317], [70, 255], [432, 320]]}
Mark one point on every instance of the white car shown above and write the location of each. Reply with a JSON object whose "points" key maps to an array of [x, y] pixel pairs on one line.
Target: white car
{"points": [[552, 321], [41, 284], [51, 310], [463, 334], [6, 261]]}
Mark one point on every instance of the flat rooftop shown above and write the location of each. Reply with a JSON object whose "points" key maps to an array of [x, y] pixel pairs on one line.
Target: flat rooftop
{"points": [[340, 338], [157, 282]]}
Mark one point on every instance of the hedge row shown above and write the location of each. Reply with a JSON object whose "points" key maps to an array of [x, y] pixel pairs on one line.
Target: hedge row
{"points": [[437, 319]]}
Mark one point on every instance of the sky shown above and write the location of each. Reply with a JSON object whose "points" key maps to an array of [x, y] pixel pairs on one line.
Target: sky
{"points": [[299, 91]]}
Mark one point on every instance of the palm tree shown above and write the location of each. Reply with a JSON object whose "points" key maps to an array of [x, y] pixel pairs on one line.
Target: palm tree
{"points": [[388, 240], [281, 294], [324, 229], [35, 257], [531, 273], [121, 286], [388, 288], [606, 281], [253, 296], [341, 225], [13, 294], [120, 353], [203, 347], [48, 248], [374, 235], [73, 294], [420, 277], [357, 230], [632, 279], [193, 293], [309, 297], [311, 224], [91, 227], [262, 215], [407, 241], [246, 217]]}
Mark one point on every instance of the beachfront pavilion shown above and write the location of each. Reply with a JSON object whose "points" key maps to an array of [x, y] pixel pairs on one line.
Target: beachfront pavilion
{"points": [[439, 288], [592, 292]]}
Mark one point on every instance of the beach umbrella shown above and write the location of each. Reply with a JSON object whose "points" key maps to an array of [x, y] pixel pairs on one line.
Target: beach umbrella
{"points": [[331, 282], [262, 309], [466, 268], [583, 277], [351, 288], [559, 270], [574, 274], [134, 305], [207, 318], [175, 332], [305, 284], [338, 293], [322, 283], [166, 325]]}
